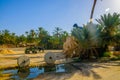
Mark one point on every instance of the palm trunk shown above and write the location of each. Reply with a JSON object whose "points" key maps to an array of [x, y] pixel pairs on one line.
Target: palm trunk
{"points": [[92, 11]]}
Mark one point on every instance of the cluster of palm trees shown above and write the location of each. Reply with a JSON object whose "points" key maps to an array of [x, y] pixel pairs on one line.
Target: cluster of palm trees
{"points": [[39, 37], [93, 36], [6, 37]]}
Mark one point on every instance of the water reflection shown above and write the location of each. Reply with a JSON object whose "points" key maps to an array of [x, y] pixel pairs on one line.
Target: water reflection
{"points": [[60, 68], [31, 73], [23, 73]]}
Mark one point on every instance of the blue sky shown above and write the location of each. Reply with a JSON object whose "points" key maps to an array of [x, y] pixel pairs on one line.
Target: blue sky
{"points": [[23, 15]]}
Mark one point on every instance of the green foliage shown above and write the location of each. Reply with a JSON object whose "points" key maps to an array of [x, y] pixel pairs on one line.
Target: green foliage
{"points": [[21, 39], [40, 37], [58, 38], [110, 28], [7, 38], [43, 37], [87, 37], [107, 54], [109, 21], [90, 36], [57, 32]]}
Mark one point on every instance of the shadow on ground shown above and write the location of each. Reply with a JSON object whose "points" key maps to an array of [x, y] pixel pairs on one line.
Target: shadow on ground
{"points": [[78, 71]]}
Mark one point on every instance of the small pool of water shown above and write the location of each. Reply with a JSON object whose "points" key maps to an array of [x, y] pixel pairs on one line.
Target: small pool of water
{"points": [[32, 73]]}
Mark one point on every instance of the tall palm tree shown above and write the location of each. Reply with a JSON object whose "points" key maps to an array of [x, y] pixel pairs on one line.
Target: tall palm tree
{"points": [[26, 33], [41, 32], [43, 37], [32, 33], [57, 31]]}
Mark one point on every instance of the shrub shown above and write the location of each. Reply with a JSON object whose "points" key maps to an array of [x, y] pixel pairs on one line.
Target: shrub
{"points": [[107, 54]]}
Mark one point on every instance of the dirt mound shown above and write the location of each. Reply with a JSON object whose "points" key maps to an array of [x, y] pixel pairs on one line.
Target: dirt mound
{"points": [[6, 51]]}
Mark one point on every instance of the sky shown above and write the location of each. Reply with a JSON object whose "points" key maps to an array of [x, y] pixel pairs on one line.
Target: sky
{"points": [[19, 16]]}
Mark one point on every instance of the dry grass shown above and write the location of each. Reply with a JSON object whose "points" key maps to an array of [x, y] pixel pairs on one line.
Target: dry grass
{"points": [[6, 51], [70, 46]]}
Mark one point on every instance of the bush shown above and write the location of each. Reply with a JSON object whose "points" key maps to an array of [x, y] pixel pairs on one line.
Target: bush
{"points": [[107, 54]]}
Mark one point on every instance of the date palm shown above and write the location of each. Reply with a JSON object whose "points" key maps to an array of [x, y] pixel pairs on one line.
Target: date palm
{"points": [[57, 31], [42, 33], [32, 33], [109, 28], [26, 33], [43, 37], [87, 40]]}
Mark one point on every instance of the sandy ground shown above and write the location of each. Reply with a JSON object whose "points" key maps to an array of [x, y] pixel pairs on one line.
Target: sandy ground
{"points": [[10, 60], [78, 71], [87, 71]]}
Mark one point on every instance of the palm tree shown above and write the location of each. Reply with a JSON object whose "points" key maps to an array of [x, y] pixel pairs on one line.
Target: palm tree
{"points": [[43, 37], [32, 33], [57, 31], [31, 36], [42, 33], [6, 36], [87, 41], [109, 28], [26, 33]]}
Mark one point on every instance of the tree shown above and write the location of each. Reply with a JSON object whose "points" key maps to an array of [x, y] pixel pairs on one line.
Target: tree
{"points": [[7, 38], [32, 33], [62, 38], [64, 35], [54, 41], [109, 24], [43, 37], [31, 36], [87, 40], [21, 39], [42, 32], [57, 31], [26, 33]]}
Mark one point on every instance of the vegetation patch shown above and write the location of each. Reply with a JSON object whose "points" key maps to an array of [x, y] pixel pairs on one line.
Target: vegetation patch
{"points": [[107, 54]]}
